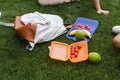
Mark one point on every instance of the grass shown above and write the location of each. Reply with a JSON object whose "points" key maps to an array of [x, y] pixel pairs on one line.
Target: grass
{"points": [[16, 63]]}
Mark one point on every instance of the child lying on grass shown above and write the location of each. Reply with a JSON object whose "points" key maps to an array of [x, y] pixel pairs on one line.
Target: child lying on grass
{"points": [[54, 2]]}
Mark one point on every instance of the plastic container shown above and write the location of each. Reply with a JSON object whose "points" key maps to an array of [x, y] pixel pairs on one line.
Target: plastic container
{"points": [[93, 24], [62, 51]]}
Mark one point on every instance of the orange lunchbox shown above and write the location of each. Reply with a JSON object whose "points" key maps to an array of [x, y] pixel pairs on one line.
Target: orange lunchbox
{"points": [[75, 52]]}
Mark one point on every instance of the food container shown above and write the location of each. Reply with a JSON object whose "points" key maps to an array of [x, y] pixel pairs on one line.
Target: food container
{"points": [[63, 52], [93, 24]]}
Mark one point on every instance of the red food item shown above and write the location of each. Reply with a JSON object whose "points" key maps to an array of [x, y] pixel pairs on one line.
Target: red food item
{"points": [[79, 46], [87, 27], [76, 54], [79, 26], [76, 50], [76, 47], [72, 52], [72, 56]]}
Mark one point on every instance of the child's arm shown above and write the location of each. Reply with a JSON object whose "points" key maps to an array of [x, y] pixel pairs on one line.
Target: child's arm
{"points": [[98, 8]]}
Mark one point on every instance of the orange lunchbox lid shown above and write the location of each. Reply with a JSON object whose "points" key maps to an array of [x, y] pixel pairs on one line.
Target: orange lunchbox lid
{"points": [[59, 51], [62, 51]]}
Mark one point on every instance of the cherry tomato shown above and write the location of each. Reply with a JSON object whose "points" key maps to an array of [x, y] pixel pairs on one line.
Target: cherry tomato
{"points": [[87, 27], [80, 26], [79, 46], [75, 47], [76, 50], [72, 56], [75, 54], [72, 52]]}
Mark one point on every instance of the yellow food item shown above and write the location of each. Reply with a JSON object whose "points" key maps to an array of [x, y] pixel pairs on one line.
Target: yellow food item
{"points": [[88, 34], [72, 32]]}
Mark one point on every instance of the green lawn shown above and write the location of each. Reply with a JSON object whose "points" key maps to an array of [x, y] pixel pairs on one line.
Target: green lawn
{"points": [[16, 63]]}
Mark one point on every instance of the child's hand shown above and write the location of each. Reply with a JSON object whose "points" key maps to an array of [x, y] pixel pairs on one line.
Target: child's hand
{"points": [[103, 12]]}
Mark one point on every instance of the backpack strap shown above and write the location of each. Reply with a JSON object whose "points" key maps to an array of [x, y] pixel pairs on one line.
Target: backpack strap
{"points": [[68, 25]]}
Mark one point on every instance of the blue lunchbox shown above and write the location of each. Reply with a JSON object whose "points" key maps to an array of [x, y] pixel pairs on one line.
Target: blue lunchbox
{"points": [[93, 24]]}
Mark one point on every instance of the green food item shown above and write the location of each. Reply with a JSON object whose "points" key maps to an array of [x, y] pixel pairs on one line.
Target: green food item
{"points": [[94, 57], [80, 34]]}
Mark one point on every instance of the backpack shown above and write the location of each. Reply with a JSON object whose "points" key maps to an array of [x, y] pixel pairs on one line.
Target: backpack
{"points": [[37, 28]]}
